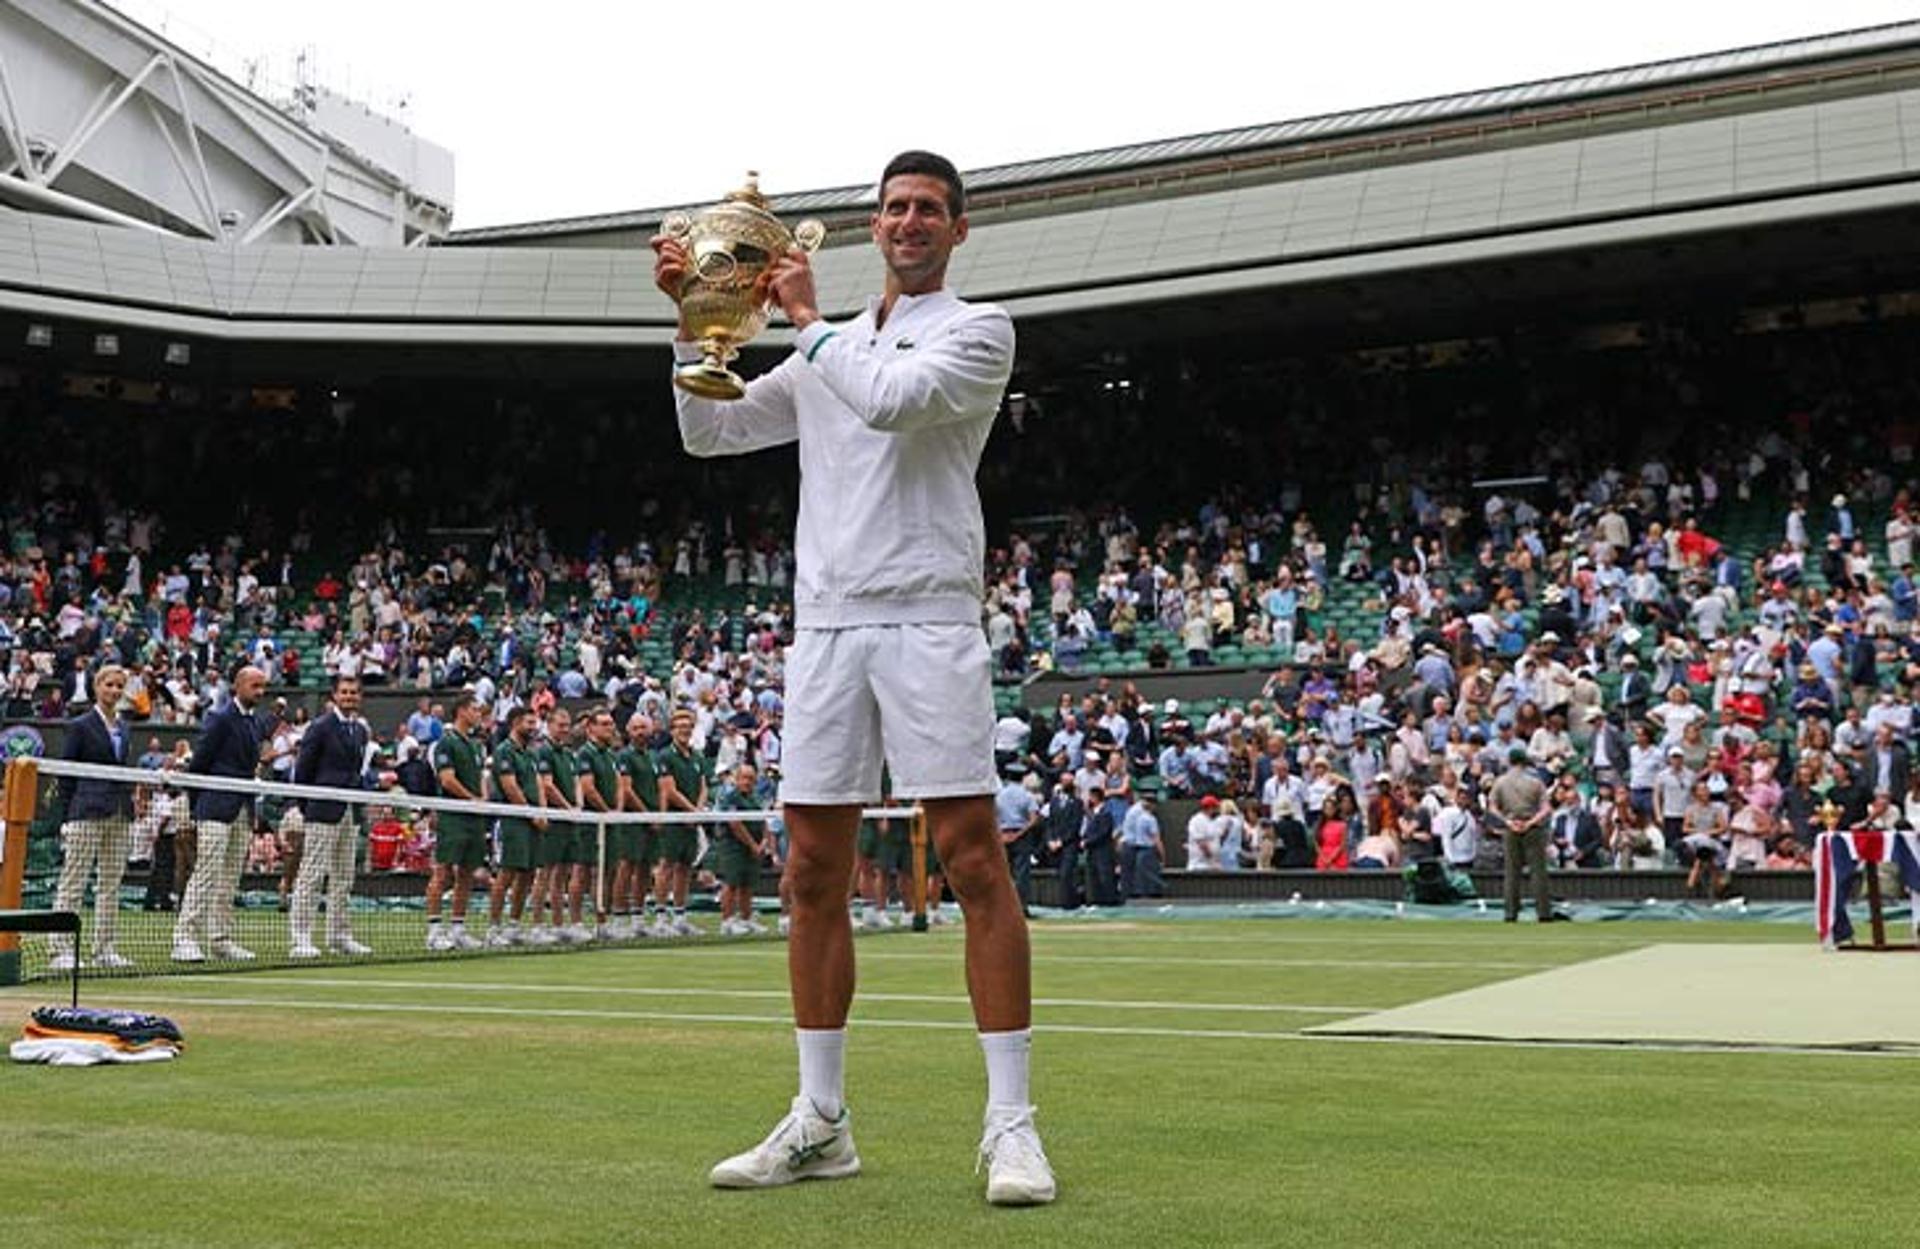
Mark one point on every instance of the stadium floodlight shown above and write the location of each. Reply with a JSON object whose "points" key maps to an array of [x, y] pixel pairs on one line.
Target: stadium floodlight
{"points": [[179, 353], [106, 344], [39, 335]]}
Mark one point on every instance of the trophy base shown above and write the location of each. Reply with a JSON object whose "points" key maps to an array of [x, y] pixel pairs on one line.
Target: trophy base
{"points": [[709, 380]]}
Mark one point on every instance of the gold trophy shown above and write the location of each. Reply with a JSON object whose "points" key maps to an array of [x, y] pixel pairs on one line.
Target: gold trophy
{"points": [[729, 247]]}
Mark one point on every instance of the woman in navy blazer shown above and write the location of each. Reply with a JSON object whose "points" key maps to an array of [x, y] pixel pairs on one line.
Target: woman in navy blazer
{"points": [[95, 823]]}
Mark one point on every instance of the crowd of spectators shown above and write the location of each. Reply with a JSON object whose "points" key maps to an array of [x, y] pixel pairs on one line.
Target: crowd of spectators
{"points": [[1592, 614]]}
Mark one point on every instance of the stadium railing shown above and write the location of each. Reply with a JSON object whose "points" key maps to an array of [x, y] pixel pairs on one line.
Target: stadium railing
{"points": [[385, 902]]}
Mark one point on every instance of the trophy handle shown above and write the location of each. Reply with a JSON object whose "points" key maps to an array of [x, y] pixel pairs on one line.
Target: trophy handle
{"points": [[809, 234], [676, 226]]}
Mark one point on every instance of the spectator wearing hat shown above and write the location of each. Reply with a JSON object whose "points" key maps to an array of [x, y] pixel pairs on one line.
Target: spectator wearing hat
{"points": [[1517, 810], [1203, 836], [1143, 851], [1672, 786], [1017, 814]]}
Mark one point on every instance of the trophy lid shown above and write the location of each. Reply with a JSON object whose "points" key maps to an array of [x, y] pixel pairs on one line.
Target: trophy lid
{"points": [[750, 193]]}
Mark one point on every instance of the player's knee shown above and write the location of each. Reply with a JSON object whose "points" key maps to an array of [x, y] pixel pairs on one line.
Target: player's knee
{"points": [[815, 880], [973, 868]]}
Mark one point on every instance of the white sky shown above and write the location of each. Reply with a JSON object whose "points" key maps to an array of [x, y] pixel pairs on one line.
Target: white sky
{"points": [[583, 106]]}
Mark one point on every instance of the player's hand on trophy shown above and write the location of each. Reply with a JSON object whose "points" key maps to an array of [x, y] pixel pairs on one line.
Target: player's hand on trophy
{"points": [[790, 278], [670, 264]]}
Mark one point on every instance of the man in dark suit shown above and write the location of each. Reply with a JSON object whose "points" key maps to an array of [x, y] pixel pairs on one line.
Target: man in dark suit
{"points": [[96, 818], [1610, 752], [229, 746], [333, 752], [1886, 764], [1575, 829], [1065, 815], [1098, 839]]}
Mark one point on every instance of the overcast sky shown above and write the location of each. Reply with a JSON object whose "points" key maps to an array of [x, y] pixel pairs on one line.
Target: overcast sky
{"points": [[573, 107]]}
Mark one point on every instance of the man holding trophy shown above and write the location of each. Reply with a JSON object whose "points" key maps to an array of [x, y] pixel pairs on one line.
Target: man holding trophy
{"points": [[891, 411]]}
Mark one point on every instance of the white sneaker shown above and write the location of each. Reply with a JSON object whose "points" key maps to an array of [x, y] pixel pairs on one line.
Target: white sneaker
{"points": [[349, 947], [439, 939], [63, 963], [755, 926], [303, 950], [111, 959], [578, 935], [936, 916], [786, 922], [684, 927], [803, 1146], [545, 937], [1018, 1173], [464, 940], [187, 950], [662, 927], [876, 921], [231, 950], [604, 933], [498, 939]]}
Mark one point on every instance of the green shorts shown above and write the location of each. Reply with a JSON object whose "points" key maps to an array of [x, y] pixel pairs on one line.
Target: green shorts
{"points": [[867, 844], [896, 852], [585, 848], [621, 846], [552, 845], [646, 846], [460, 842], [676, 843], [516, 846], [735, 866]]}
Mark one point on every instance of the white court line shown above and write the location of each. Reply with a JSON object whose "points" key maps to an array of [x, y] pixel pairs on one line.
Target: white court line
{"points": [[1134, 960], [1408, 934], [1279, 1008], [1220, 1034]]}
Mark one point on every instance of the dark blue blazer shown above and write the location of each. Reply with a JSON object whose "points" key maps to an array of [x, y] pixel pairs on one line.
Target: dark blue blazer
{"points": [[332, 752], [88, 741], [229, 745]]}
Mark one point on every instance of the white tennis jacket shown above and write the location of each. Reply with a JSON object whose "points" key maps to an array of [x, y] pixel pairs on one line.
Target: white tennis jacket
{"points": [[891, 423]]}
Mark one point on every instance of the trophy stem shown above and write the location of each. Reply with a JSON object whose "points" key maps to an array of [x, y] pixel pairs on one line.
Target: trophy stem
{"points": [[709, 378]]}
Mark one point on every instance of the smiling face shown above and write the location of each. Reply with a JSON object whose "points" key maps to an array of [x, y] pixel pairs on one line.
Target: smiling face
{"points": [[916, 231]]}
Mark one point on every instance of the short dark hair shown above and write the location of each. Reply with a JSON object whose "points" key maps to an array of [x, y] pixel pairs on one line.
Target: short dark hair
{"points": [[931, 165], [463, 701], [341, 678]]}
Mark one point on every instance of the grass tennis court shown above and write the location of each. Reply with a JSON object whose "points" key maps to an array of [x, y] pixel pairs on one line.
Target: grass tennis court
{"points": [[580, 1100]]}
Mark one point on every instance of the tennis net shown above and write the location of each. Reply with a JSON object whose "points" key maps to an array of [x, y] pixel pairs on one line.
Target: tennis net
{"points": [[173, 872]]}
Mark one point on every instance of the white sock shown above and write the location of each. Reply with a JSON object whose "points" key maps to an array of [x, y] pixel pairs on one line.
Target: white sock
{"points": [[1008, 1088], [823, 1063]]}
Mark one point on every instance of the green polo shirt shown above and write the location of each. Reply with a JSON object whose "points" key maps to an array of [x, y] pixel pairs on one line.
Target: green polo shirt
{"points": [[462, 755]]}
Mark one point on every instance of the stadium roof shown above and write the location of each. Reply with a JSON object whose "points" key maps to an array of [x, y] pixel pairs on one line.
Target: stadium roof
{"points": [[1250, 139]]}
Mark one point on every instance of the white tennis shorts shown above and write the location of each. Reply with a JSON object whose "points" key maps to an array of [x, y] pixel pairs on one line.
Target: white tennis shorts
{"points": [[919, 696]]}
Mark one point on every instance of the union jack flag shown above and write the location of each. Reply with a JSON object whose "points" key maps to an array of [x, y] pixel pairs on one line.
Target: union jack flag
{"points": [[1837, 860]]}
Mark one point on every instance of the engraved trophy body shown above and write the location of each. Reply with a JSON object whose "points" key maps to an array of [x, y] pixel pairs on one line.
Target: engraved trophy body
{"points": [[722, 302]]}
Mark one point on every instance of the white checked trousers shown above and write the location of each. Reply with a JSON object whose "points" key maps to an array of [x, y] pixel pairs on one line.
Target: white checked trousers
{"points": [[329, 851], [85, 844], [220, 853]]}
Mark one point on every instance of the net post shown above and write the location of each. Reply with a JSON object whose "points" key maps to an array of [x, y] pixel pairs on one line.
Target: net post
{"points": [[917, 841], [21, 796], [601, 902]]}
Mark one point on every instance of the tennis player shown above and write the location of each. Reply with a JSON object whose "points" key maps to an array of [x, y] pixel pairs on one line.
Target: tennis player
{"points": [[891, 411]]}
